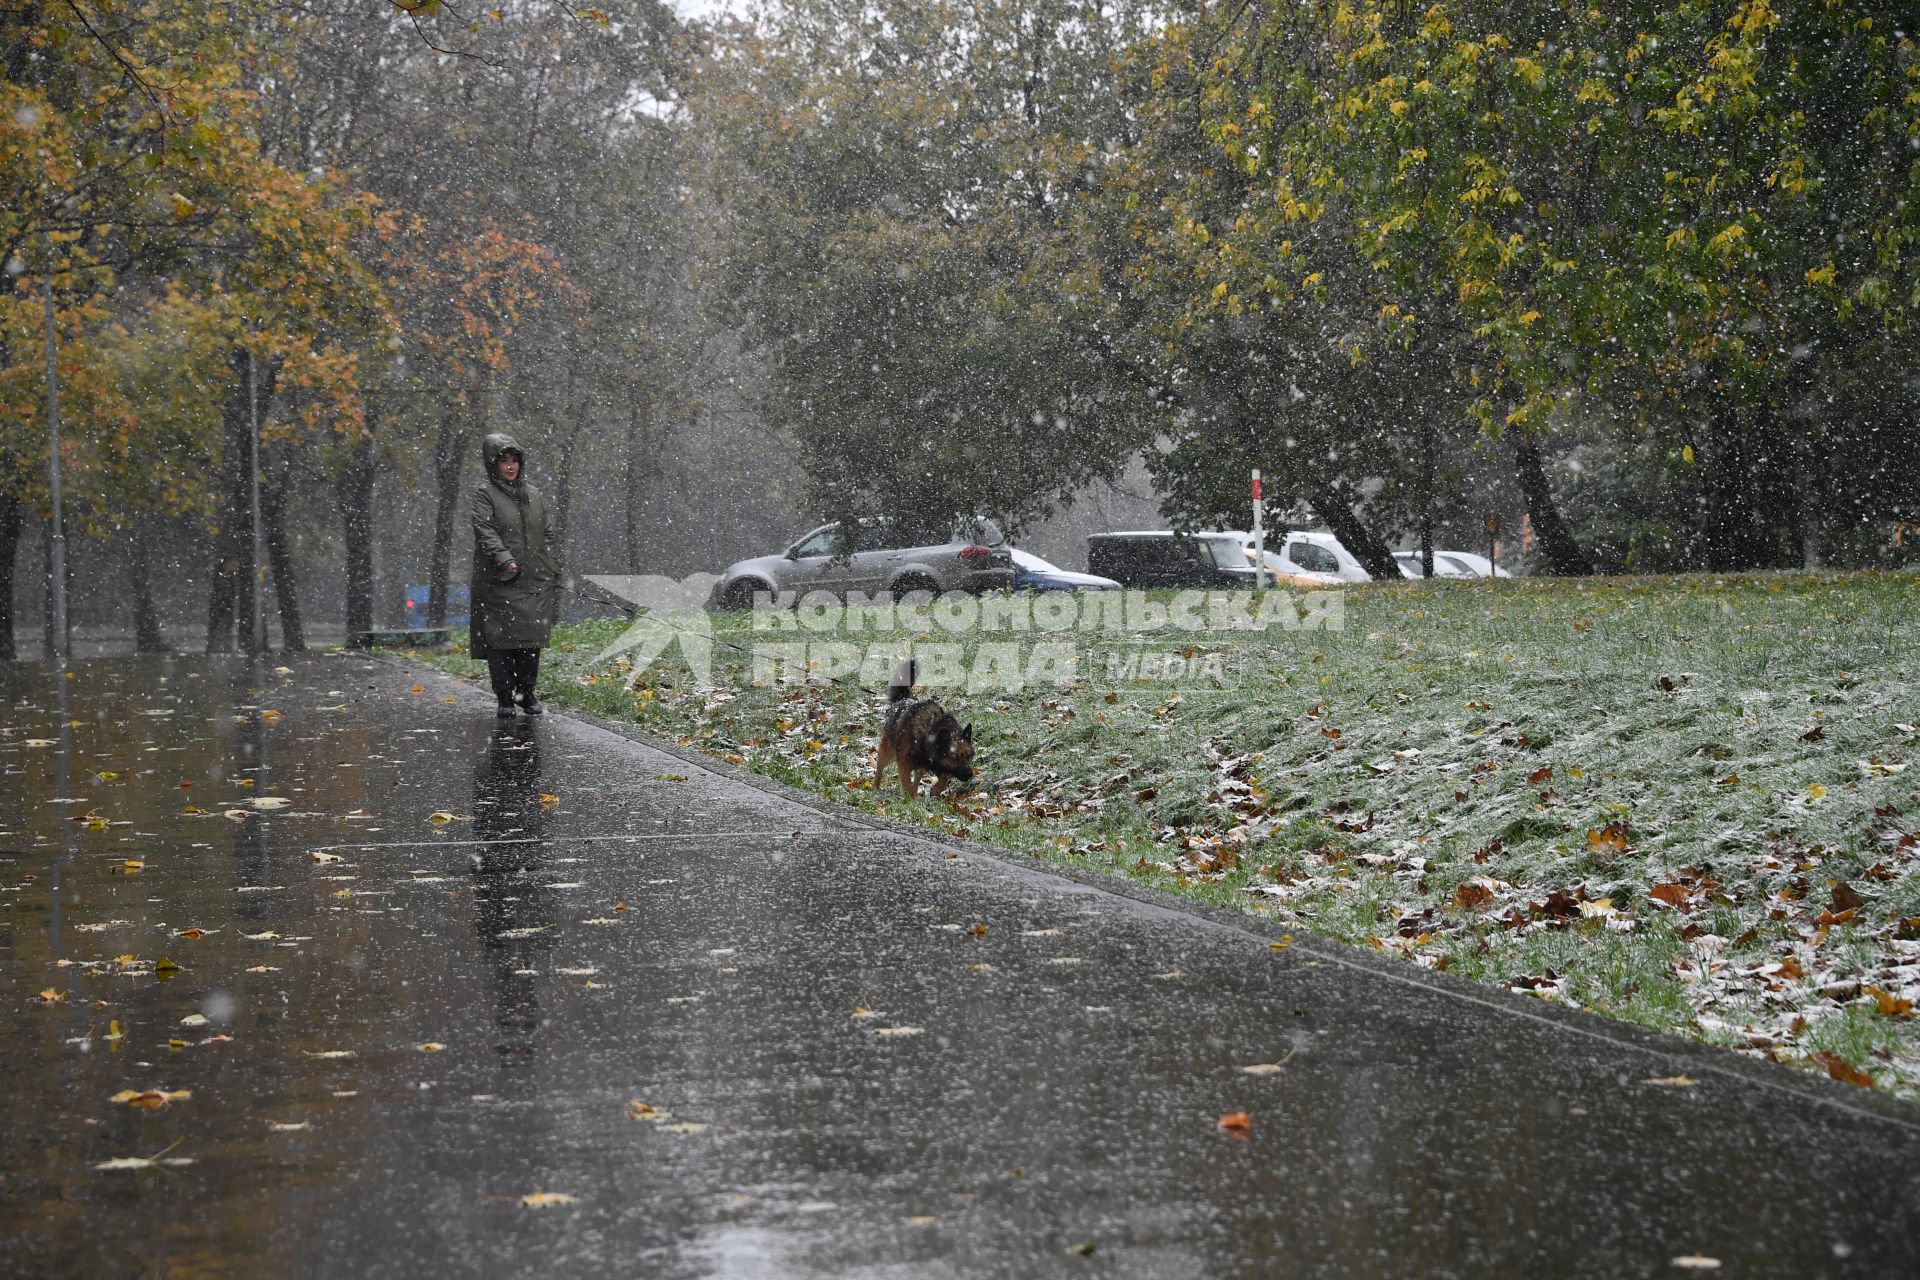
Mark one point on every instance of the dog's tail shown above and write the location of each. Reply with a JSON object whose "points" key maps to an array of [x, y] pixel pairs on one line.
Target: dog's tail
{"points": [[904, 677]]}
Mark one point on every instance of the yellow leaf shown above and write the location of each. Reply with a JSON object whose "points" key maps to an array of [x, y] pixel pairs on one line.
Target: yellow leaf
{"points": [[1674, 1082], [430, 1046], [545, 1199], [1686, 454], [548, 800], [440, 819], [1816, 792]]}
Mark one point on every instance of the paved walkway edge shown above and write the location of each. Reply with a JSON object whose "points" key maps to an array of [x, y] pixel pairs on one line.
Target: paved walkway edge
{"points": [[1671, 1049]]}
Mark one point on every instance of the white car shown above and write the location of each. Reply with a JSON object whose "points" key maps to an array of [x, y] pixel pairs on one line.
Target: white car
{"points": [[1450, 564], [1311, 555]]}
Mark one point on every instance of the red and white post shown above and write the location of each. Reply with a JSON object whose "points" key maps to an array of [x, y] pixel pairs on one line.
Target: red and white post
{"points": [[1259, 536]]}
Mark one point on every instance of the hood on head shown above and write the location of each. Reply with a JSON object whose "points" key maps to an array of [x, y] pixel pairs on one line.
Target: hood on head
{"points": [[497, 444]]}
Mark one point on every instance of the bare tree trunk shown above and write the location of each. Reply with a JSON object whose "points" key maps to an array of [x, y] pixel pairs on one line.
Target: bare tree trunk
{"points": [[355, 493], [1809, 483], [1354, 534], [47, 578], [1426, 497], [563, 499], [233, 565], [449, 451], [563, 470], [9, 554], [286, 585], [639, 470], [149, 636], [1560, 554]]}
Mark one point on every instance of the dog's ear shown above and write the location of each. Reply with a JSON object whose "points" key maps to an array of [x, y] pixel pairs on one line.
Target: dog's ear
{"points": [[967, 733]]}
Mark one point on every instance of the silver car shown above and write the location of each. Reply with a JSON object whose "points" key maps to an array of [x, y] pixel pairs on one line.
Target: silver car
{"points": [[871, 557]]}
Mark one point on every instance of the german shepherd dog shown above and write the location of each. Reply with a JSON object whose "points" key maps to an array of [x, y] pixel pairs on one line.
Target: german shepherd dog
{"points": [[919, 735]]}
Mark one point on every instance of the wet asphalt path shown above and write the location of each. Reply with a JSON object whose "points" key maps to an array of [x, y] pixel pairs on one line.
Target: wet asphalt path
{"points": [[750, 1038]]}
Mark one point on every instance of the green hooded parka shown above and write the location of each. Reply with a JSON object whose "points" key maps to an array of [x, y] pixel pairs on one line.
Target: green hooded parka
{"points": [[510, 526]]}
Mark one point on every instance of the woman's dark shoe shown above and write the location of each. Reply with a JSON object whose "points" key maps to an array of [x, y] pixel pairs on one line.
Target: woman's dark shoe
{"points": [[504, 711], [532, 705]]}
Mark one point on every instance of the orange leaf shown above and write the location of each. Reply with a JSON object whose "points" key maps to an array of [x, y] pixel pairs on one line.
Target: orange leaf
{"points": [[1611, 838], [1672, 893], [1842, 1070], [1541, 774], [1236, 1124]]}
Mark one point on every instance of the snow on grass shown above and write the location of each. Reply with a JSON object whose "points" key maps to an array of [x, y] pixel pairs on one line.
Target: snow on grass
{"points": [[1683, 802]]}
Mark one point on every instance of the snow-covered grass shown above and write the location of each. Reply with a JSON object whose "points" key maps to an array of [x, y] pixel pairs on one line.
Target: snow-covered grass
{"points": [[1682, 802]]}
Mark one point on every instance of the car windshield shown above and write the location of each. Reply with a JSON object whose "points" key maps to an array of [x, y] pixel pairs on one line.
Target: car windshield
{"points": [[978, 529], [1224, 553]]}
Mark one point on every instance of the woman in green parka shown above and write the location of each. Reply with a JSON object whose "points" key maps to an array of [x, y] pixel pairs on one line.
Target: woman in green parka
{"points": [[516, 578]]}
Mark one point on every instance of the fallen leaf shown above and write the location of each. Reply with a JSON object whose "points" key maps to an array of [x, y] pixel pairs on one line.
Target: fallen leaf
{"points": [[195, 933], [440, 819], [638, 1110], [289, 1126], [50, 996], [327, 857], [151, 1099], [1890, 1005], [194, 1020], [270, 715], [1236, 1124], [1673, 893], [430, 1046], [330, 1053], [1612, 838], [899, 1031], [418, 688], [1842, 1070], [1540, 775], [1696, 1262], [1674, 1082], [548, 800], [270, 802]]}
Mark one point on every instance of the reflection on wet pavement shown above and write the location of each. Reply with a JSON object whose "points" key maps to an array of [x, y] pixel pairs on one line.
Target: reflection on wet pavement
{"points": [[375, 971]]}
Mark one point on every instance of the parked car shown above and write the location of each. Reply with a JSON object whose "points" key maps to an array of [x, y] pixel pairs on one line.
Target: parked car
{"points": [[1163, 558], [1031, 573], [1315, 554], [874, 556], [1449, 564]]}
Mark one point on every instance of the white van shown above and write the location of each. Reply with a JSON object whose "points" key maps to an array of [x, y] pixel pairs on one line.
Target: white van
{"points": [[1316, 554]]}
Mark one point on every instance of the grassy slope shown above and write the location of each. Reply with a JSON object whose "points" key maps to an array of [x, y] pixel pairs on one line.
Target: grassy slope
{"points": [[1680, 801]]}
